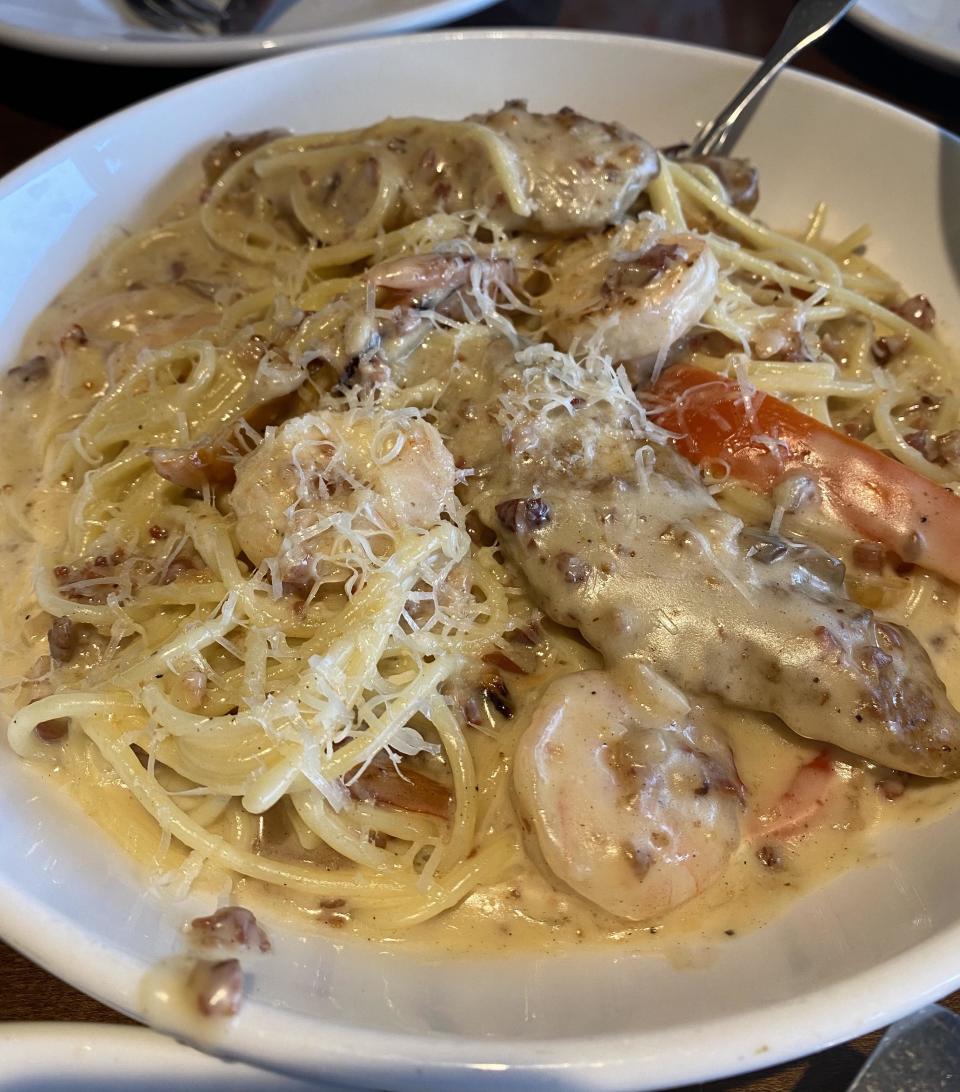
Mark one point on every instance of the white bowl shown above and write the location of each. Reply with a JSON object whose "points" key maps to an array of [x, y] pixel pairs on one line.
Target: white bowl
{"points": [[847, 958]]}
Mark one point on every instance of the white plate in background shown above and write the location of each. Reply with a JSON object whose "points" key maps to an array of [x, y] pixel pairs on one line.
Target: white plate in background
{"points": [[109, 32], [927, 29], [856, 954], [63, 1057]]}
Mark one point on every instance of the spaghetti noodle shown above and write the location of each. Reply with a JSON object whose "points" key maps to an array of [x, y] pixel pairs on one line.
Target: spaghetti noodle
{"points": [[281, 627]]}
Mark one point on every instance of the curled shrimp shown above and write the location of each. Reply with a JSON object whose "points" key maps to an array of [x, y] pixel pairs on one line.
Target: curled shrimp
{"points": [[630, 294], [316, 479], [634, 806], [428, 279]]}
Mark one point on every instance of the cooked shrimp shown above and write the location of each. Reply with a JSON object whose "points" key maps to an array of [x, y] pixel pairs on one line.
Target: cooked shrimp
{"points": [[803, 801], [298, 494], [427, 279], [635, 806], [631, 294]]}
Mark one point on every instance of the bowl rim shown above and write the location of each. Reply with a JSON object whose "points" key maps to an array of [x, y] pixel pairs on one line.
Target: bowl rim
{"points": [[920, 47]]}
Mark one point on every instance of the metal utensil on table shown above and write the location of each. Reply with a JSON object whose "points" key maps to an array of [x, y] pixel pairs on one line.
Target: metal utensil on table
{"points": [[177, 15], [920, 1053], [206, 17], [808, 21]]}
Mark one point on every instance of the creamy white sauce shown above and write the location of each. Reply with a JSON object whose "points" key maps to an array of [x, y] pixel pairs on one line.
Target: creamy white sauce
{"points": [[528, 909]]}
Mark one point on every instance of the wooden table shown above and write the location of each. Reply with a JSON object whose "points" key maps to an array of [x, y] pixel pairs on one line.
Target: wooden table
{"points": [[44, 99]]}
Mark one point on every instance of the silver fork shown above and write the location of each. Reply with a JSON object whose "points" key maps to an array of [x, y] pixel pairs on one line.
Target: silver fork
{"points": [[808, 20], [196, 16], [206, 17]]}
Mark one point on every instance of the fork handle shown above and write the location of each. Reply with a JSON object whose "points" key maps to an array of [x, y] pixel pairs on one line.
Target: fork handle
{"points": [[808, 21]]}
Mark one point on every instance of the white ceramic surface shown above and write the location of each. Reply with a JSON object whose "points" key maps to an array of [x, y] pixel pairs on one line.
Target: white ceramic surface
{"points": [[847, 958], [109, 32], [927, 29], [106, 1058]]}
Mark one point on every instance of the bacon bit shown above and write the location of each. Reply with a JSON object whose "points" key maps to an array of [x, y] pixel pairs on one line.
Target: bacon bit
{"points": [[522, 516], [770, 857], [472, 712], [525, 635], [922, 440], [498, 659], [62, 637], [218, 986], [739, 178], [365, 374], [52, 731], [919, 311], [574, 570], [37, 367], [942, 450], [331, 904], [480, 534], [884, 349], [76, 335], [230, 927], [85, 570], [407, 789], [158, 532], [203, 464], [180, 566], [496, 693], [948, 447], [859, 428]]}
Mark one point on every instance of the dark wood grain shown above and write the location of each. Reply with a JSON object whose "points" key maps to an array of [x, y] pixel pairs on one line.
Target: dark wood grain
{"points": [[44, 99]]}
